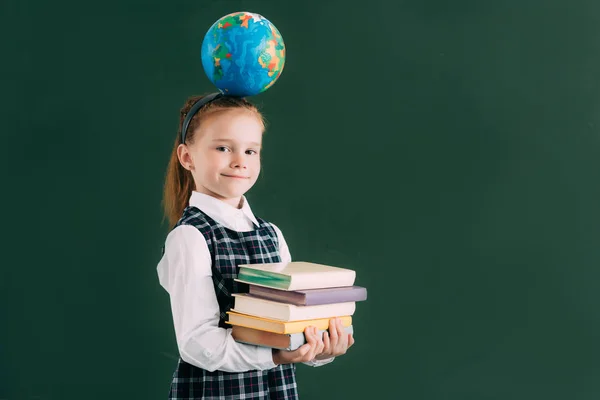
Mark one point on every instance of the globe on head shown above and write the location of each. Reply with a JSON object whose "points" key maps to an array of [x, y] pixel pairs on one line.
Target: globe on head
{"points": [[243, 54]]}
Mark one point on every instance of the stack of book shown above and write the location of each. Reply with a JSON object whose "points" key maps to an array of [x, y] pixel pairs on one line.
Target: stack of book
{"points": [[285, 298]]}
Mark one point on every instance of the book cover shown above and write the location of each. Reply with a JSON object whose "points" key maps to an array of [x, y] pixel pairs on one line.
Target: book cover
{"points": [[282, 341], [245, 303], [297, 275], [311, 297], [270, 325]]}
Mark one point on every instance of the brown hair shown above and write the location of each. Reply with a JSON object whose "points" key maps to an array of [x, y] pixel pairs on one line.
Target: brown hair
{"points": [[179, 182]]}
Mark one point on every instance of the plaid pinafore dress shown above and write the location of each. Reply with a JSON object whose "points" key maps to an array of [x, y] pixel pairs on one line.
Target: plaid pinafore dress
{"points": [[228, 249]]}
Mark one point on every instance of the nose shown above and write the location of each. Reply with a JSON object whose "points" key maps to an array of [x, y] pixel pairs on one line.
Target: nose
{"points": [[238, 161]]}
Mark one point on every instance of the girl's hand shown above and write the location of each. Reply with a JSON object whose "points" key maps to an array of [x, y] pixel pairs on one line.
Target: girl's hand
{"points": [[307, 352], [336, 342]]}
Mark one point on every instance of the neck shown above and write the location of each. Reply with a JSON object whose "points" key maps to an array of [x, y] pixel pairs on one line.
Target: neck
{"points": [[236, 202]]}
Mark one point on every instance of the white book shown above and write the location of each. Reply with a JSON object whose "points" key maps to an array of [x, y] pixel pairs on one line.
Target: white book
{"points": [[258, 307]]}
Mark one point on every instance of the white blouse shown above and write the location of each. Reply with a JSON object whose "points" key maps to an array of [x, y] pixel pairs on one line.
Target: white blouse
{"points": [[185, 273]]}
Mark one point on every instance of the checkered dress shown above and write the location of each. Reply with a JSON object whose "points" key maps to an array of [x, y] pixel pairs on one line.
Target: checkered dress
{"points": [[228, 249]]}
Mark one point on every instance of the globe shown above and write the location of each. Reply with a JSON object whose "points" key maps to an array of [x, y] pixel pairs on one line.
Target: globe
{"points": [[243, 54]]}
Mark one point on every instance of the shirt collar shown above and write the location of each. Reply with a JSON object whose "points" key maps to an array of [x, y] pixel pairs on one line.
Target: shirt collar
{"points": [[220, 211]]}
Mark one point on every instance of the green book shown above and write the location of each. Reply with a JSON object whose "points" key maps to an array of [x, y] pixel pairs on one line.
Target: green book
{"points": [[297, 275]]}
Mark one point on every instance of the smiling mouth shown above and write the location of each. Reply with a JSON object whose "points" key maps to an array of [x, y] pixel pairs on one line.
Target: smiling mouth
{"points": [[237, 176]]}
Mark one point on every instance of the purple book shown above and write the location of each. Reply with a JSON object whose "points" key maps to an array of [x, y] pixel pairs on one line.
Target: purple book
{"points": [[311, 297]]}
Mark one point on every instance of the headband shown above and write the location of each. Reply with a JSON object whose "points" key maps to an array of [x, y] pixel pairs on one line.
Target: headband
{"points": [[195, 108]]}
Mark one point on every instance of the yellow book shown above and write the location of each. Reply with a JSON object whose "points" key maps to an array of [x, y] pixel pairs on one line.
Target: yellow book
{"points": [[271, 325]]}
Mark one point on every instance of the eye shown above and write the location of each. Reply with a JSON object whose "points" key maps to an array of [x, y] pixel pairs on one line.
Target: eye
{"points": [[252, 152], [223, 149]]}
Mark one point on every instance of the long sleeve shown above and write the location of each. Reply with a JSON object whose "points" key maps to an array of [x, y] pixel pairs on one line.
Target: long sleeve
{"points": [[284, 253], [185, 273]]}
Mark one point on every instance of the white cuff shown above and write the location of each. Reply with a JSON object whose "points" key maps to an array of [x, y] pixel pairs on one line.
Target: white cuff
{"points": [[319, 363], [264, 357]]}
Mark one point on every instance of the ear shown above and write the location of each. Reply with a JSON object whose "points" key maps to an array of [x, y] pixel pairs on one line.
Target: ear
{"points": [[185, 158]]}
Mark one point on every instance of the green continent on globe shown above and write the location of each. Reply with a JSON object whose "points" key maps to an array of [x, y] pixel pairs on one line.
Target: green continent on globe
{"points": [[221, 52], [236, 19]]}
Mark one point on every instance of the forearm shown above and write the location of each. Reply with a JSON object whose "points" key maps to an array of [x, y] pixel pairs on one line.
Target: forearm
{"points": [[213, 348]]}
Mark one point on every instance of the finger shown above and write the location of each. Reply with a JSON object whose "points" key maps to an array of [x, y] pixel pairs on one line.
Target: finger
{"points": [[341, 343], [295, 355], [321, 344], [326, 342], [309, 355], [333, 332], [311, 339], [350, 340], [341, 331], [302, 350], [318, 342]]}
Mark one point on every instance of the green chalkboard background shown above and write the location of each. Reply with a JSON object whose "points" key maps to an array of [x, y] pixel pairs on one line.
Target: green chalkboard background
{"points": [[449, 152]]}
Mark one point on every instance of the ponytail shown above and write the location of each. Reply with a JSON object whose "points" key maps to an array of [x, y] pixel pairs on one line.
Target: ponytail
{"points": [[179, 184]]}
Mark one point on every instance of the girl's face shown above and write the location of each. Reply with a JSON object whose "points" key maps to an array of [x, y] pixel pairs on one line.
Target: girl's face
{"points": [[225, 156]]}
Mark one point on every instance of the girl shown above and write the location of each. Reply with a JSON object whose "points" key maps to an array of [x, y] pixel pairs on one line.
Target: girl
{"points": [[215, 161]]}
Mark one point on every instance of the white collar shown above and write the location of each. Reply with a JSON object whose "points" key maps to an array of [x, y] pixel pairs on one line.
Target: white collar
{"points": [[222, 212]]}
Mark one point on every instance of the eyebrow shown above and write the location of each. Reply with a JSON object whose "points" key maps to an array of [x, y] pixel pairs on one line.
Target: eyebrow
{"points": [[256, 144]]}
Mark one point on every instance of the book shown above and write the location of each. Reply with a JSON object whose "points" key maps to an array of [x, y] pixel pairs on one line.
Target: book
{"points": [[282, 341], [296, 275], [245, 303], [311, 297], [271, 325]]}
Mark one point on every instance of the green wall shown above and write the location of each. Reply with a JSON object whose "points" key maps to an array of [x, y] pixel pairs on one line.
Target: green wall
{"points": [[449, 152]]}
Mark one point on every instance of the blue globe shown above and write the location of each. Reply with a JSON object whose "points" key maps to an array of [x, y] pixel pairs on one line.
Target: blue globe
{"points": [[243, 54]]}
